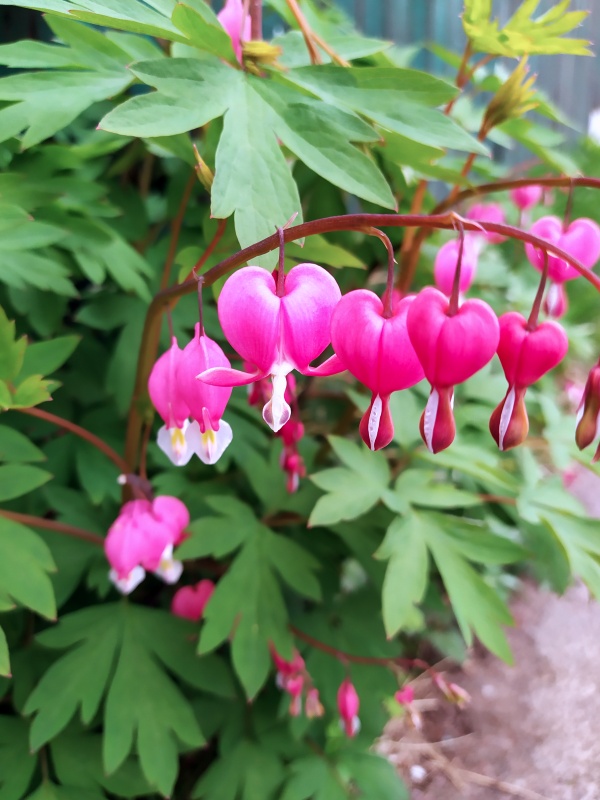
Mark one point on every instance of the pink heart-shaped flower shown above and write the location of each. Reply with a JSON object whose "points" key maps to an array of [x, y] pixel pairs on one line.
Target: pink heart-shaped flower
{"points": [[525, 354], [451, 348], [581, 240], [189, 602]]}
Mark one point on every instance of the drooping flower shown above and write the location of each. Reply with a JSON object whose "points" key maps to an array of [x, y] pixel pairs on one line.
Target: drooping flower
{"points": [[526, 355], [446, 261], [313, 706], [206, 403], [405, 696], [348, 703], [451, 348], [525, 197], [176, 438], [291, 678], [377, 350], [142, 539], [236, 23], [581, 239], [277, 326], [588, 416], [488, 212], [189, 601]]}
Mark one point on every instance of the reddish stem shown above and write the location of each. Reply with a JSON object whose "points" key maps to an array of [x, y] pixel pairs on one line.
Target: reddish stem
{"points": [[210, 249], [256, 32], [78, 431], [383, 237], [176, 230], [537, 303], [455, 295], [52, 525]]}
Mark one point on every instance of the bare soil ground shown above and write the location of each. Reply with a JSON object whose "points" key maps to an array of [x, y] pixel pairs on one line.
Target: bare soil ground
{"points": [[531, 731]]}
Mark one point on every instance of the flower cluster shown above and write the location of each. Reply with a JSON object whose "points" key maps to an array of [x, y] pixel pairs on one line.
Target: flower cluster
{"points": [[280, 323], [141, 540]]}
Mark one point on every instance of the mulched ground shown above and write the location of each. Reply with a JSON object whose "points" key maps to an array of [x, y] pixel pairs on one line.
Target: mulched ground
{"points": [[531, 731]]}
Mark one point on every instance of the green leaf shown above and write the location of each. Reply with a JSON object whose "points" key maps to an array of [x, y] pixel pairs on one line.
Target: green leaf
{"points": [[248, 599], [30, 235], [25, 268], [400, 100], [353, 489], [204, 30], [77, 760], [49, 101], [477, 607], [318, 250], [406, 576], [246, 772], [122, 652], [19, 479], [14, 446], [12, 350], [420, 488], [44, 358], [375, 775], [24, 563], [30, 392], [17, 764], [523, 34], [252, 179], [305, 128], [191, 92]]}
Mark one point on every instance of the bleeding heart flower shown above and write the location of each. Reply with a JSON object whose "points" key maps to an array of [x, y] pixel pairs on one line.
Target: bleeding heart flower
{"points": [[488, 212], [581, 239], [142, 538], [189, 601], [526, 355], [525, 197], [405, 696], [348, 703], [276, 332], [313, 705], [588, 416], [210, 434], [174, 438], [451, 349], [237, 24], [446, 261], [377, 351]]}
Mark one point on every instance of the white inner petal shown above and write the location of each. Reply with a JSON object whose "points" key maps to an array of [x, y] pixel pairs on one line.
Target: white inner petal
{"points": [[276, 411], [210, 445], [430, 416], [174, 442], [169, 570], [507, 411], [128, 584], [374, 420]]}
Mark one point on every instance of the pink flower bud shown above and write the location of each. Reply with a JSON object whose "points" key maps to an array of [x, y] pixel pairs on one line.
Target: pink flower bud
{"points": [[525, 197], [488, 212], [287, 668], [556, 301], [377, 350], [405, 696], [348, 704], [189, 601], [236, 23], [446, 261], [588, 416], [581, 240], [451, 349], [276, 334]]}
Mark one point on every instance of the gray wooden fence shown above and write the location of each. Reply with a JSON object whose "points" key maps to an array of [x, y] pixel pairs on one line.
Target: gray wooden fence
{"points": [[573, 82]]}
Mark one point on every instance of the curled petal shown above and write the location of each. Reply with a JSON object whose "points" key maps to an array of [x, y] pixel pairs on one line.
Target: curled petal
{"points": [[437, 425], [222, 376], [332, 366]]}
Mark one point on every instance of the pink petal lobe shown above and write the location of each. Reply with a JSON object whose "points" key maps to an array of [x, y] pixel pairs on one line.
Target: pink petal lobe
{"points": [[249, 313], [221, 376], [333, 366], [528, 355], [311, 294], [199, 355], [164, 389], [446, 261]]}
